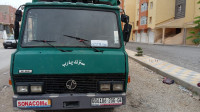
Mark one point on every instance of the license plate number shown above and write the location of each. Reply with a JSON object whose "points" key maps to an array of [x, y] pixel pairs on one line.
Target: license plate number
{"points": [[106, 101], [33, 103]]}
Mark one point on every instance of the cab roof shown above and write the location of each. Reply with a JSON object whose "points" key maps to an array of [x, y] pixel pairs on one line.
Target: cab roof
{"points": [[108, 2], [72, 4]]}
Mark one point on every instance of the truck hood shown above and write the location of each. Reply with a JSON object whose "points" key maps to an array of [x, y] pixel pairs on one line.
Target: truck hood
{"points": [[75, 62]]}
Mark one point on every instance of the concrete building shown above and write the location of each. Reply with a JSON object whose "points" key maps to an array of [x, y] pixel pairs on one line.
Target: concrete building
{"points": [[130, 10], [121, 4], [163, 21], [7, 18]]}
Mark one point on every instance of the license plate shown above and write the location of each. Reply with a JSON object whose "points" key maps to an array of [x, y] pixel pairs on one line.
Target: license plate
{"points": [[8, 43], [33, 103], [106, 101]]}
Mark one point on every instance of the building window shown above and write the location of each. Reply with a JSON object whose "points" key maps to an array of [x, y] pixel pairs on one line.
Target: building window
{"points": [[151, 5], [179, 8], [137, 23], [138, 12], [144, 7], [4, 17], [150, 20], [143, 20]]}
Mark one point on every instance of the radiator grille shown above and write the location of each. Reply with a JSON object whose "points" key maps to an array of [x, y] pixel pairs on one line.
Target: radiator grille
{"points": [[57, 83]]}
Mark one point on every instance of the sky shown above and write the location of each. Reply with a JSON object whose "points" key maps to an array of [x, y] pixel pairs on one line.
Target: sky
{"points": [[14, 3]]}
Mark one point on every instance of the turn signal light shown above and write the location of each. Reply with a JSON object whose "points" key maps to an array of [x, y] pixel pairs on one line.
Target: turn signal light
{"points": [[129, 79], [10, 82]]}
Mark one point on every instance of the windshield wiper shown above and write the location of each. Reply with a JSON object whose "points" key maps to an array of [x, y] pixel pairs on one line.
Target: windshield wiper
{"points": [[83, 41], [48, 42]]}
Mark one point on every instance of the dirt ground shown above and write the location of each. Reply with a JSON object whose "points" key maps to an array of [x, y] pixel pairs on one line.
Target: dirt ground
{"points": [[146, 93]]}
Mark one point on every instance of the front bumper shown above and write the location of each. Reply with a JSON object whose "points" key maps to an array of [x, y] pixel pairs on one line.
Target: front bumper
{"points": [[57, 100], [10, 44]]}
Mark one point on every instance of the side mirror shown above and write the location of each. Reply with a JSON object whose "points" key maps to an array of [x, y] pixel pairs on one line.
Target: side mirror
{"points": [[127, 32], [18, 15], [18, 18], [16, 30], [118, 2], [125, 18]]}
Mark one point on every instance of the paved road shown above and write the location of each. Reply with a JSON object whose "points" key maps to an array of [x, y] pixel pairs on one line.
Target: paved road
{"points": [[5, 55], [187, 57], [146, 93]]}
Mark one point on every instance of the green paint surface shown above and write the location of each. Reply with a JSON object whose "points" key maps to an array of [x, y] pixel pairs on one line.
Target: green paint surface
{"points": [[49, 61], [52, 61]]}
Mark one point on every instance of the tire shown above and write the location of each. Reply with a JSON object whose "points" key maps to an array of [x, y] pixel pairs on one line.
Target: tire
{"points": [[5, 47]]}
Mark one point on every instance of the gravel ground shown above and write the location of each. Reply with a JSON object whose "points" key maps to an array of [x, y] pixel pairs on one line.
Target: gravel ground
{"points": [[187, 57], [146, 93]]}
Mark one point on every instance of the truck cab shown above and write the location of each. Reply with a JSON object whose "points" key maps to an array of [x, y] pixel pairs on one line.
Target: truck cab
{"points": [[70, 55]]}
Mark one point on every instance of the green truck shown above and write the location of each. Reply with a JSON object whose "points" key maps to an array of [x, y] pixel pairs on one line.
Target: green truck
{"points": [[70, 55]]}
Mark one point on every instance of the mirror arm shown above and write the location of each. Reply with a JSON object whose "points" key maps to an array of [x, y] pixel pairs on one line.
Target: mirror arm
{"points": [[21, 6]]}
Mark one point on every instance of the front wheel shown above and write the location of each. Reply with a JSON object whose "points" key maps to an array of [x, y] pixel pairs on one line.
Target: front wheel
{"points": [[5, 47]]}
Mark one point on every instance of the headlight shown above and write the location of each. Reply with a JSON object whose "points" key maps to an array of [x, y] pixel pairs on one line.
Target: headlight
{"points": [[105, 86], [118, 87], [29, 87], [36, 89], [22, 89]]}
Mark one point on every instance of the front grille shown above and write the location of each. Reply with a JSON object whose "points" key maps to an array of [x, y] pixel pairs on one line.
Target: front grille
{"points": [[57, 83]]}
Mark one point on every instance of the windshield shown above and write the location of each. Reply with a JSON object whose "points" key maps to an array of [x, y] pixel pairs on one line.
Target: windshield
{"points": [[10, 38], [100, 28]]}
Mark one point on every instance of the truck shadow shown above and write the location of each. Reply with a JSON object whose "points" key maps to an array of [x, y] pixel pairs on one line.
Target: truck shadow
{"points": [[82, 110]]}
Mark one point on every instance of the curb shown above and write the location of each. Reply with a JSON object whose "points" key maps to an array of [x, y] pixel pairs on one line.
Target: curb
{"points": [[179, 81], [178, 45], [159, 44]]}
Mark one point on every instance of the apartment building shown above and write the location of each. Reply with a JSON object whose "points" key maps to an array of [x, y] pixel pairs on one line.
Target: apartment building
{"points": [[130, 10], [160, 12], [121, 4], [7, 18], [163, 21]]}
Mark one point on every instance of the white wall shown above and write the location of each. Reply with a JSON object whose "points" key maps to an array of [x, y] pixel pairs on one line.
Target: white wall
{"points": [[151, 36], [144, 37], [137, 35], [4, 34], [1, 34]]}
